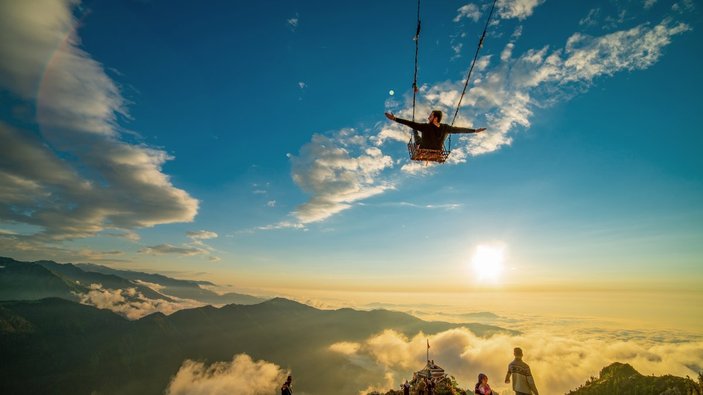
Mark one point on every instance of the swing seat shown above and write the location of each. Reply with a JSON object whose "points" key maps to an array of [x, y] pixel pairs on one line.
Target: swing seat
{"points": [[427, 155]]}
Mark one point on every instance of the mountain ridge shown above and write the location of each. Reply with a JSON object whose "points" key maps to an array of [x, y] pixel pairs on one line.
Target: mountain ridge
{"points": [[72, 341], [622, 378]]}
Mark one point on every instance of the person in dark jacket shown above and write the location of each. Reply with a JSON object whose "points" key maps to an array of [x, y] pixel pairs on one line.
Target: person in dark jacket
{"points": [[406, 388], [433, 132]]}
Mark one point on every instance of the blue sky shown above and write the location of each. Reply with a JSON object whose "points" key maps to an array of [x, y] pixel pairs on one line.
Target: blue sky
{"points": [[245, 142]]}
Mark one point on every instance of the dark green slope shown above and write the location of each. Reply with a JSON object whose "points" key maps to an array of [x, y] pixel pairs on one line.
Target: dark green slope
{"points": [[623, 379], [28, 281]]}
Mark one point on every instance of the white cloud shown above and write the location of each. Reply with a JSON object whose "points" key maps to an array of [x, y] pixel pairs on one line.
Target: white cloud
{"points": [[507, 52], [560, 364], [337, 171], [417, 168], [302, 85], [520, 9], [131, 303], [271, 203], [242, 376], [128, 235], [282, 225], [633, 49], [201, 235], [105, 183], [293, 22], [649, 4], [683, 6], [457, 50], [590, 18], [446, 206], [469, 11]]}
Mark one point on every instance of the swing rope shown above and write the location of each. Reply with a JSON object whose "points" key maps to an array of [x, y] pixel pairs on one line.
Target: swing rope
{"points": [[468, 76], [417, 46]]}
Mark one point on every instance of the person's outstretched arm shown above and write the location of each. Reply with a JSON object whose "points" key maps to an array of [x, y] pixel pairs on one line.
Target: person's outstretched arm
{"points": [[414, 125], [456, 129]]}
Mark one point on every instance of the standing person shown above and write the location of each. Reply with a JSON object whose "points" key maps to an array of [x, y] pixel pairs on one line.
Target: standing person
{"points": [[482, 387], [286, 388], [421, 384], [433, 132], [406, 388], [519, 371], [430, 386]]}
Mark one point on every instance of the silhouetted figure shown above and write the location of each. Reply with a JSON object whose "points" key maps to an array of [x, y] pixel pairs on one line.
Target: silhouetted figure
{"points": [[421, 385], [406, 388], [430, 386], [519, 371], [433, 132], [286, 387]]}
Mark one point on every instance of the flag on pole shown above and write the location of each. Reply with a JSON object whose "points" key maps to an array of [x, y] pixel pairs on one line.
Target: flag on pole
{"points": [[428, 344]]}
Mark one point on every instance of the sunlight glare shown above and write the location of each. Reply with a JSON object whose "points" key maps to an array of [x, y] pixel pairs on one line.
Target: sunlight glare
{"points": [[488, 262]]}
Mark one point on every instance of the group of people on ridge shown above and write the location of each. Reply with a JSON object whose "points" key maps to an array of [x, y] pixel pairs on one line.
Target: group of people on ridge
{"points": [[518, 373]]}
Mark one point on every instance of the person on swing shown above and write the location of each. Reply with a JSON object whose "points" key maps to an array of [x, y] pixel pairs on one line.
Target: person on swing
{"points": [[433, 132]]}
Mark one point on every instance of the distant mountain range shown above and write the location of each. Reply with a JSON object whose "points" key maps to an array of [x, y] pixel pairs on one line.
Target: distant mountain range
{"points": [[58, 346], [44, 279], [623, 379]]}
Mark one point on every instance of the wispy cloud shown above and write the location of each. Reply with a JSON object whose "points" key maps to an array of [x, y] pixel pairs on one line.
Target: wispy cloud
{"points": [[293, 22], [683, 6], [80, 177], [469, 11], [591, 18], [446, 206], [520, 9], [201, 235], [162, 249], [505, 9], [242, 376]]}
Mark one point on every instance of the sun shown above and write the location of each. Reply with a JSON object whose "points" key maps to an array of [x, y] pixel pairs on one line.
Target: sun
{"points": [[487, 262]]}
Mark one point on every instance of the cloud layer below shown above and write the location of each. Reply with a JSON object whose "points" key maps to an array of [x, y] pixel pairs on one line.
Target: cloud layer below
{"points": [[242, 376], [131, 303], [560, 362]]}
